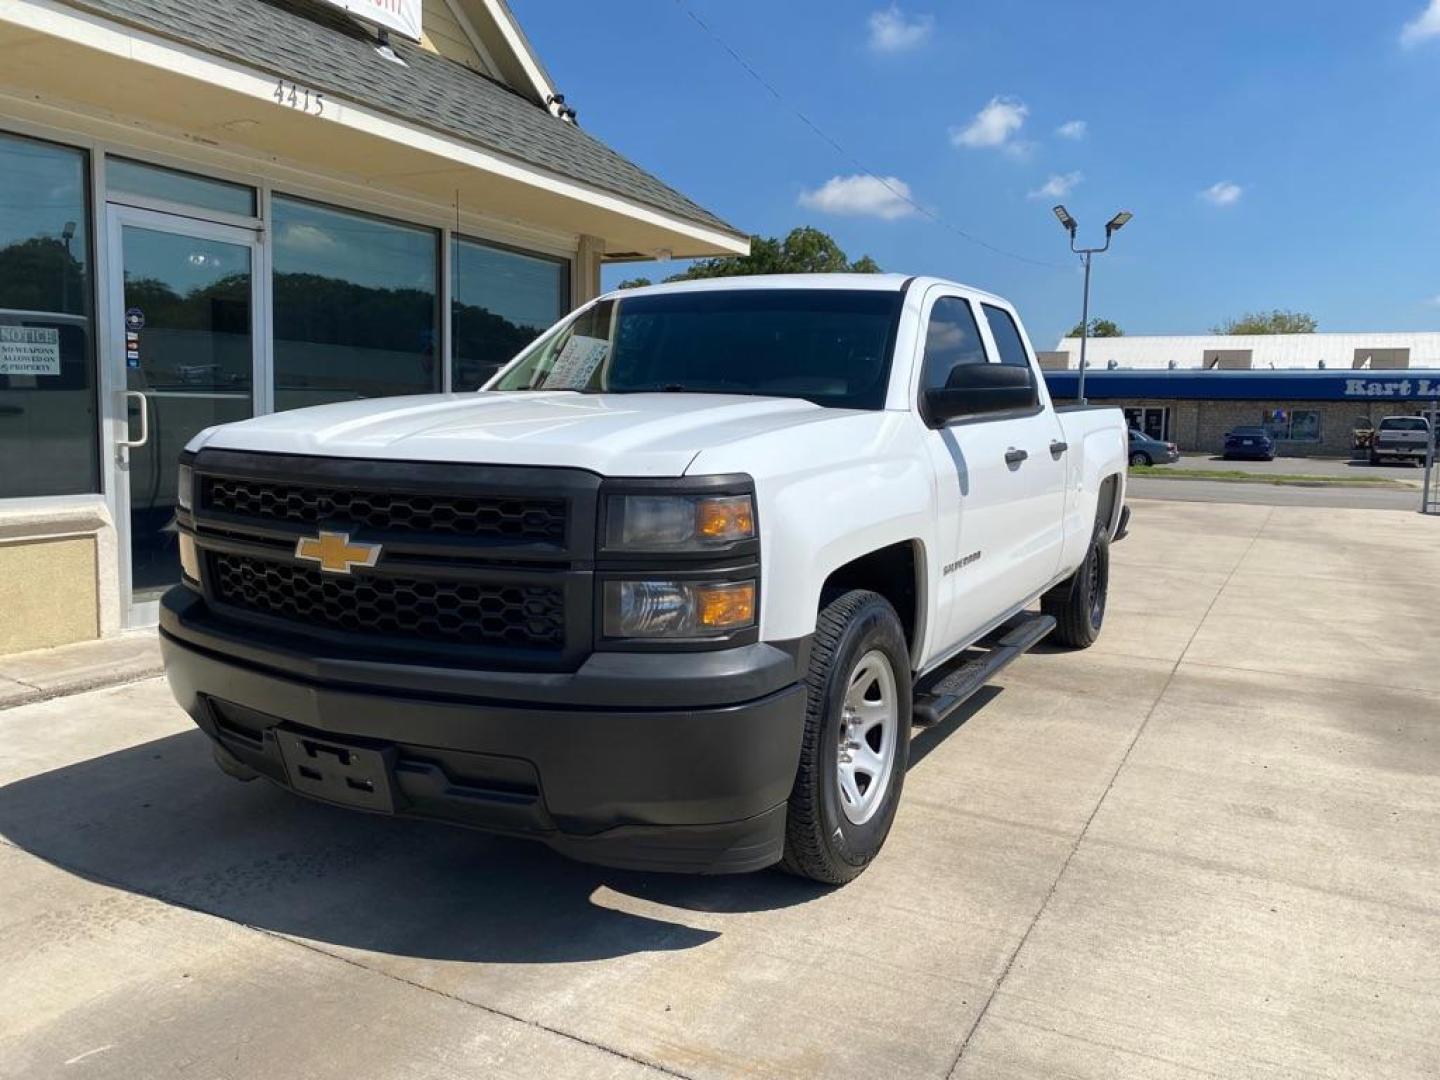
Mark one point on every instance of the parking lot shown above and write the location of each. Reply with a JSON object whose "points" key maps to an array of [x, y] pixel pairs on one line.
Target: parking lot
{"points": [[1208, 846]]}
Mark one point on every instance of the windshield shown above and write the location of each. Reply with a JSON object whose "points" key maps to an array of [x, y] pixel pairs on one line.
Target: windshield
{"points": [[829, 346], [1248, 431], [1404, 424]]}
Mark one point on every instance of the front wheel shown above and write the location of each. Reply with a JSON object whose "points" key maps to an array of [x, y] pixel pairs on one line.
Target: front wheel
{"points": [[1078, 603], [857, 740]]}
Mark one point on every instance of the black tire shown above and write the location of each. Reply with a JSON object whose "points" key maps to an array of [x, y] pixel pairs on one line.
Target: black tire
{"points": [[1078, 602], [1140, 458], [1374, 458], [821, 842]]}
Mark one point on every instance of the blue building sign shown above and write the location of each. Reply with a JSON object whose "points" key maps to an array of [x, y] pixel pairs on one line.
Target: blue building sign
{"points": [[1196, 385]]}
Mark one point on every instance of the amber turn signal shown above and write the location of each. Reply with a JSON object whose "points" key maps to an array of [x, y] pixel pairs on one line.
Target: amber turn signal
{"points": [[730, 517], [723, 607]]}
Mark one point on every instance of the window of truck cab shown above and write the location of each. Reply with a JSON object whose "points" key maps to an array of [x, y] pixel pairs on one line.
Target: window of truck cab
{"points": [[953, 340], [831, 347]]}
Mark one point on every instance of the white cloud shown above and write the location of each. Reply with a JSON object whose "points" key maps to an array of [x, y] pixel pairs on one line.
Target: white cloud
{"points": [[1058, 186], [995, 126], [861, 196], [1073, 129], [1223, 193], [1423, 27], [891, 31], [299, 236], [1434, 301]]}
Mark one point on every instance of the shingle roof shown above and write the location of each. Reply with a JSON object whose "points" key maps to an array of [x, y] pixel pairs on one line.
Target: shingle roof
{"points": [[318, 46]]}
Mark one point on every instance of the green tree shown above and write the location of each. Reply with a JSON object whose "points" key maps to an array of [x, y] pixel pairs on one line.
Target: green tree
{"points": [[806, 250], [1099, 328], [1268, 322], [634, 283]]}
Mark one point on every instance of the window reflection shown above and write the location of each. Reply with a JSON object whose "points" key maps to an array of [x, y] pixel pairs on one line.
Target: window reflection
{"points": [[355, 306], [171, 185], [503, 301], [48, 426]]}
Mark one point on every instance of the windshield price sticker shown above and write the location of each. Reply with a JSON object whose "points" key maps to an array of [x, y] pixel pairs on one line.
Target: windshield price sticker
{"points": [[577, 362], [29, 350]]}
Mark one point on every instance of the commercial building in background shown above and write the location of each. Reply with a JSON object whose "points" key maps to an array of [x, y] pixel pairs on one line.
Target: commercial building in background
{"points": [[1312, 392], [219, 208]]}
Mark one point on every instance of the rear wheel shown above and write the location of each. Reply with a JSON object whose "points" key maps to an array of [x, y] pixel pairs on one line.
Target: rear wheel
{"points": [[1140, 458], [1078, 603], [857, 740]]}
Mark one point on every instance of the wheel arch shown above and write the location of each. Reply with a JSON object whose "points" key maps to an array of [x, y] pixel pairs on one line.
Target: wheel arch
{"points": [[896, 572]]}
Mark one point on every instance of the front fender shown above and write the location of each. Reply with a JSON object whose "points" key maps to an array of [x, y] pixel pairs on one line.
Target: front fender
{"points": [[852, 486]]}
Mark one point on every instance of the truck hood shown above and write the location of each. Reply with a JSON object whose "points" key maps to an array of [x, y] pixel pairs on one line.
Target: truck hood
{"points": [[613, 434]]}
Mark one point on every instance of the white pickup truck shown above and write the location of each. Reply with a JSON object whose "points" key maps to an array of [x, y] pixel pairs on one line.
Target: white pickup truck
{"points": [[670, 591]]}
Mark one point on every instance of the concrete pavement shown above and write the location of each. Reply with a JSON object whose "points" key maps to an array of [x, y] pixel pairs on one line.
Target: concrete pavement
{"points": [[1206, 847]]}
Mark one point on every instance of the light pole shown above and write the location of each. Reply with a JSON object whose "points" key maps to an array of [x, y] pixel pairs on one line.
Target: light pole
{"points": [[1112, 226]]}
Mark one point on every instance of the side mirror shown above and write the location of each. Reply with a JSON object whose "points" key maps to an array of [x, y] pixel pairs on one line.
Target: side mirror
{"points": [[977, 389]]}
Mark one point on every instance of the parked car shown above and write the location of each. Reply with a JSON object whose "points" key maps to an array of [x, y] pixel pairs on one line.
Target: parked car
{"points": [[1249, 442], [1147, 451], [669, 593], [1400, 438]]}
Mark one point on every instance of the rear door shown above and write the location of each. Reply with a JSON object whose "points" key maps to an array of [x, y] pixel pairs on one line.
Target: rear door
{"points": [[1037, 508]]}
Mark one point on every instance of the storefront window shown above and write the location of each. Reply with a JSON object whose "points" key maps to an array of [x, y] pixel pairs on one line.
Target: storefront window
{"points": [[1292, 425], [126, 177], [1304, 426], [503, 300], [48, 425], [355, 306], [1276, 423]]}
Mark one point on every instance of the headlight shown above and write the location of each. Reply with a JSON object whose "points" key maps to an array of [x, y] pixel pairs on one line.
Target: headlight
{"points": [[677, 522], [677, 609], [189, 559], [184, 487]]}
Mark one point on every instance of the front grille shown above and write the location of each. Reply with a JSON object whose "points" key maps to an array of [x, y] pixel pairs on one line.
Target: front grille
{"points": [[523, 518], [454, 612]]}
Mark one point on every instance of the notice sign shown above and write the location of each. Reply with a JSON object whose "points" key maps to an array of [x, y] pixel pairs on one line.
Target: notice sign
{"points": [[29, 350], [402, 16]]}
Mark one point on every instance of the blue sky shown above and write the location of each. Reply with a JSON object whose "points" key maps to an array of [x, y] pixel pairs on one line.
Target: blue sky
{"points": [[1276, 153]]}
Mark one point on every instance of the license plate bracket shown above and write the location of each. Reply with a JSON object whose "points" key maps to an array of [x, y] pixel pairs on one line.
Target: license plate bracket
{"points": [[338, 771]]}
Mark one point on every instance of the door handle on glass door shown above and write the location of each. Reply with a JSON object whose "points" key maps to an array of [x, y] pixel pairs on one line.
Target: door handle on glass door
{"points": [[144, 421], [1015, 457]]}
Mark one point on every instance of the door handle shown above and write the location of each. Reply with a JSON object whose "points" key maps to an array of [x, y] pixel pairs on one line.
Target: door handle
{"points": [[1057, 448], [1015, 457], [144, 421]]}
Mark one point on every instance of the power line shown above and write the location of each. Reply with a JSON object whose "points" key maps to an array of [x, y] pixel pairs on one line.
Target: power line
{"points": [[847, 155]]}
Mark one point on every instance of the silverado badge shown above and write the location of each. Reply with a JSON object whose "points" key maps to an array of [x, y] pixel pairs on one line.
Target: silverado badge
{"points": [[335, 553]]}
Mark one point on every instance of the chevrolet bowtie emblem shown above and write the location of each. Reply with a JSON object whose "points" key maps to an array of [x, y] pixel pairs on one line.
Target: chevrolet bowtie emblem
{"points": [[335, 553]]}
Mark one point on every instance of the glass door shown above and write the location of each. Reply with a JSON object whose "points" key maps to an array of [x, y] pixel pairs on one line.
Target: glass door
{"points": [[185, 315]]}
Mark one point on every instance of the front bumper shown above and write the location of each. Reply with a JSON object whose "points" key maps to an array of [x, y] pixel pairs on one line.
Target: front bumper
{"points": [[654, 761]]}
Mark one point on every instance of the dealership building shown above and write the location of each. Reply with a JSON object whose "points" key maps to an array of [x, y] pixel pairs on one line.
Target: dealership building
{"points": [[1310, 391], [213, 209]]}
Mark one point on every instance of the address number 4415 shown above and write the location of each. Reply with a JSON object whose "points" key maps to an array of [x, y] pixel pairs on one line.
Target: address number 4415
{"points": [[299, 97]]}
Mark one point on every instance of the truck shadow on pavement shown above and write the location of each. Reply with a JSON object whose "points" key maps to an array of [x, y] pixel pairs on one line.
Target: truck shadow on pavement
{"points": [[159, 819]]}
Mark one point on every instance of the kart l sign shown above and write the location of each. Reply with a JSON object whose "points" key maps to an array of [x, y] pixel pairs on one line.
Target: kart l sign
{"points": [[402, 16]]}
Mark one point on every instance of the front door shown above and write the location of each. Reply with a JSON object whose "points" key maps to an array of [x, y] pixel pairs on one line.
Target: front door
{"points": [[184, 310]]}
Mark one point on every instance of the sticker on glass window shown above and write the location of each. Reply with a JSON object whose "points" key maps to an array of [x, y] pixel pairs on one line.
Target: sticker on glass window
{"points": [[29, 350], [577, 362]]}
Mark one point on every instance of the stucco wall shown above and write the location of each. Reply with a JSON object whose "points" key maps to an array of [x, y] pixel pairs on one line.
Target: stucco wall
{"points": [[59, 575]]}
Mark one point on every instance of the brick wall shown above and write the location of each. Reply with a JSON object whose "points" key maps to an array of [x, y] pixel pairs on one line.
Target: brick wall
{"points": [[1200, 426]]}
